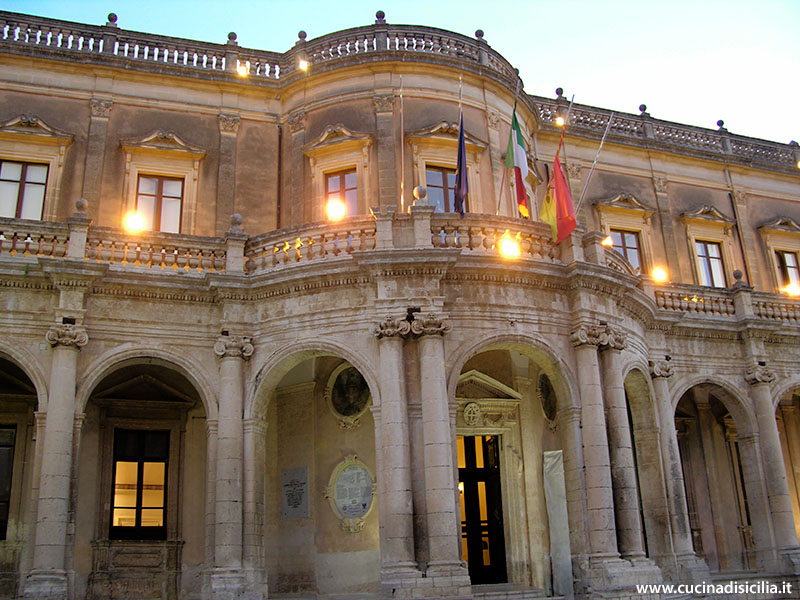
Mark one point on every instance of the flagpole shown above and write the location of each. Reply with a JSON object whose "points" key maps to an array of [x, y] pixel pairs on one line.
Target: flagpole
{"points": [[402, 152], [514, 210], [500, 195], [561, 140], [594, 163]]}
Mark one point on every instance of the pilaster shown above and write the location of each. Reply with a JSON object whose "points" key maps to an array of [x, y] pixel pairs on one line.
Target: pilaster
{"points": [[100, 111], [226, 180]]}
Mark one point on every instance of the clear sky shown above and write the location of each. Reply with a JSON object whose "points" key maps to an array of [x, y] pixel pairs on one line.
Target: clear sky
{"points": [[690, 61]]}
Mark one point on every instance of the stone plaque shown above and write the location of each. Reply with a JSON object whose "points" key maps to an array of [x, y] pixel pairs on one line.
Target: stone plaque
{"points": [[294, 485], [353, 491]]}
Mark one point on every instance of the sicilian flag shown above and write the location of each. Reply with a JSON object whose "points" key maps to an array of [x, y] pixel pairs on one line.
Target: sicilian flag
{"points": [[517, 159], [557, 209], [462, 187]]}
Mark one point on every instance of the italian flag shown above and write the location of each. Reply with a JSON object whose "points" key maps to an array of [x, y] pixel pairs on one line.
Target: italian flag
{"points": [[517, 159]]}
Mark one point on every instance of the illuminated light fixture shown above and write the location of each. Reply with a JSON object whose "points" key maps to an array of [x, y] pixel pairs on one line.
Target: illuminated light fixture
{"points": [[461, 487], [242, 70], [608, 242], [133, 222], [336, 209], [560, 121], [792, 289], [303, 64], [659, 275], [508, 247]]}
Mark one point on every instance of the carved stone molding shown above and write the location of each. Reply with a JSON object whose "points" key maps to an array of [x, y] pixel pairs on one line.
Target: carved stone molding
{"points": [[494, 119], [661, 368], [740, 196], [602, 336], [100, 107], [234, 346], [67, 335], [660, 183], [297, 121], [429, 324], [383, 103], [759, 374], [228, 123], [574, 170], [391, 327], [473, 416]]}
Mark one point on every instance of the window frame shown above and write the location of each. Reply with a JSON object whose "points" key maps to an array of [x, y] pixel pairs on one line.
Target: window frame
{"points": [[31, 140], [163, 154], [449, 201], [624, 212], [707, 224], [705, 264], [624, 249], [780, 235], [159, 196], [785, 269], [22, 184], [342, 176]]}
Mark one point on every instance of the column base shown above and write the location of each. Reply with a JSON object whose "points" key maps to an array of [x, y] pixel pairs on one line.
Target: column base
{"points": [[445, 580], [692, 569], [230, 584], [46, 585], [789, 561], [612, 575]]}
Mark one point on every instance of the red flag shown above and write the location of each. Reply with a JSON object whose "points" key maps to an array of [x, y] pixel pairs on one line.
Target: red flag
{"points": [[564, 221]]}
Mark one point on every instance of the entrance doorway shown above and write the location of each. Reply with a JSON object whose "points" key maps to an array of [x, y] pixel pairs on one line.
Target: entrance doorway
{"points": [[482, 538]]}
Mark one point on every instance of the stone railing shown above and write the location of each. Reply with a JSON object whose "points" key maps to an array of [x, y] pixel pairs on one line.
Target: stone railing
{"points": [[592, 121], [19, 237], [483, 234], [315, 242], [110, 42], [694, 299], [767, 306], [158, 251]]}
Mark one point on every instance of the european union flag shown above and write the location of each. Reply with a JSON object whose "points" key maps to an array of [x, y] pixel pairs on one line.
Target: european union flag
{"points": [[462, 187]]}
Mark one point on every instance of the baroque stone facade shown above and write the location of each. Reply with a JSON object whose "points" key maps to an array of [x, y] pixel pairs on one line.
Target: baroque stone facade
{"points": [[249, 400]]}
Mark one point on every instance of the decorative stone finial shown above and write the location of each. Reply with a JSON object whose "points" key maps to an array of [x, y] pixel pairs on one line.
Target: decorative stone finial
{"points": [[737, 275], [720, 123], [479, 34], [236, 223], [81, 204], [560, 92], [643, 108], [380, 18], [301, 35], [231, 37], [420, 195], [112, 20]]}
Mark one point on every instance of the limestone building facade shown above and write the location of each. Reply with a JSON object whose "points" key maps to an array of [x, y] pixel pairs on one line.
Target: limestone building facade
{"points": [[247, 399]]}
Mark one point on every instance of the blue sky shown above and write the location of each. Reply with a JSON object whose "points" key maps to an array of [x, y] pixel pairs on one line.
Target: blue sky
{"points": [[693, 62]]}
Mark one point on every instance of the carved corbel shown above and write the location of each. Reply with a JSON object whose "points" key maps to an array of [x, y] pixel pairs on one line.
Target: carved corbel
{"points": [[234, 346], [759, 374], [429, 324], [391, 327], [661, 368], [67, 335]]}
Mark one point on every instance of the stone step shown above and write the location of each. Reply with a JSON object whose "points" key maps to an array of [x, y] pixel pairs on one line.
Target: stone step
{"points": [[508, 592]]}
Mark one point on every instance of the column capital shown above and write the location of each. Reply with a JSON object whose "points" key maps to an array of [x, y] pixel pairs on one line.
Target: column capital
{"points": [[600, 335], [430, 324], [234, 346], [228, 123], [100, 107], [759, 374], [67, 335], [391, 327], [383, 103], [661, 368]]}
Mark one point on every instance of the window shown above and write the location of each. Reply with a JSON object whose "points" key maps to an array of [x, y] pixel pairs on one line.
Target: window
{"points": [[343, 185], [709, 263], [22, 187], [441, 183], [627, 244], [788, 267], [8, 434], [140, 484], [159, 201]]}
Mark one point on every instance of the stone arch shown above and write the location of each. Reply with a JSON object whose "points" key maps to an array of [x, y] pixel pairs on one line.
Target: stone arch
{"points": [[32, 368], [129, 354], [737, 404], [291, 354], [782, 386]]}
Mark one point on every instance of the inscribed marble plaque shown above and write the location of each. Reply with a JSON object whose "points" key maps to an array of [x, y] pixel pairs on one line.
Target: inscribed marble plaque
{"points": [[353, 492], [294, 484]]}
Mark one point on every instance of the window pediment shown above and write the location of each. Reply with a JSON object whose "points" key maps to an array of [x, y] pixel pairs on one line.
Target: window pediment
{"points": [[708, 215], [625, 204], [31, 128], [337, 138], [446, 134], [476, 385], [781, 225], [163, 142]]}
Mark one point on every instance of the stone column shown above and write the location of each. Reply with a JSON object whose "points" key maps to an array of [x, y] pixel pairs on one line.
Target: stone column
{"points": [[599, 496], [440, 480], [392, 433], [623, 467], [780, 506], [255, 434], [227, 579], [48, 579]]}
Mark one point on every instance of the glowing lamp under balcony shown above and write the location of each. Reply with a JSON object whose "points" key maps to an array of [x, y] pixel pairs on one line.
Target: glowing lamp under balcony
{"points": [[792, 289], [242, 70], [133, 222], [508, 246], [302, 64], [560, 121], [336, 210], [608, 242], [659, 275]]}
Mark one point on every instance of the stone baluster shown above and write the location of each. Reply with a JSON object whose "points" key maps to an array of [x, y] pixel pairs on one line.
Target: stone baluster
{"points": [[396, 508], [227, 577], [48, 579], [599, 494]]}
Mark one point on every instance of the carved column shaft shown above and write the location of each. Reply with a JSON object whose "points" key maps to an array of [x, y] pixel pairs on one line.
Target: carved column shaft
{"points": [[774, 468], [396, 509], [55, 475], [599, 490], [623, 469]]}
